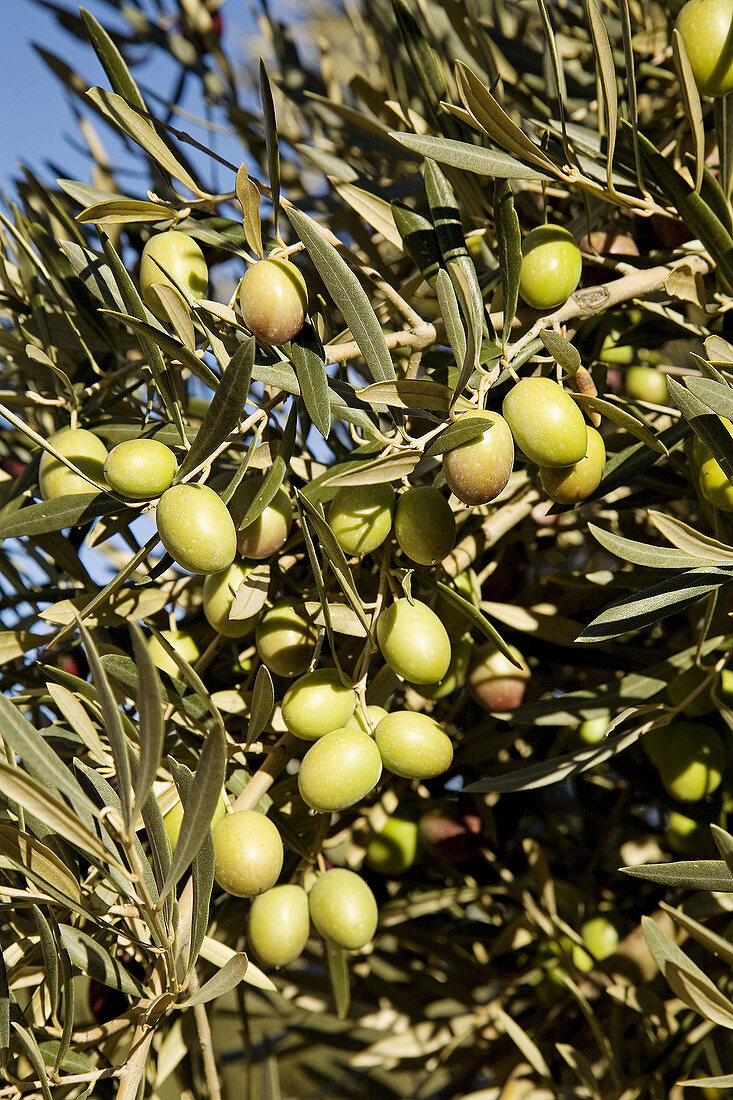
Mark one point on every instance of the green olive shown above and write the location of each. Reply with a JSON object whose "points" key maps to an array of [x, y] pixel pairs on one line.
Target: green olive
{"points": [[278, 925], [85, 450], [494, 682], [715, 486], [338, 770], [220, 590], [424, 525], [683, 686], [414, 642], [185, 646], [248, 853], [196, 529], [317, 703], [264, 536], [602, 934], [172, 820], [367, 723], [285, 639], [690, 758], [175, 260], [705, 27], [140, 468], [360, 517], [394, 849], [343, 908], [593, 730], [572, 484], [477, 471], [552, 264], [461, 653], [413, 745], [273, 297], [646, 384], [546, 423], [684, 835]]}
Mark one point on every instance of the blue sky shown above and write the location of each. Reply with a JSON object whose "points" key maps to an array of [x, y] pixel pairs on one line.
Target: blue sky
{"points": [[38, 127]]}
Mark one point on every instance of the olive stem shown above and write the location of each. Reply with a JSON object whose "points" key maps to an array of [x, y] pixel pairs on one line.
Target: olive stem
{"points": [[203, 1027]]}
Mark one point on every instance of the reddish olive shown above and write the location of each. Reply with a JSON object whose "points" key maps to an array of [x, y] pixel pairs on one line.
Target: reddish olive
{"points": [[172, 259], [273, 297], [546, 423], [338, 770], [85, 450], [552, 264], [196, 528], [424, 525], [494, 682], [477, 471], [343, 908], [278, 925], [450, 833], [140, 468], [248, 853], [572, 484], [285, 639], [706, 27], [413, 745], [317, 703], [360, 517], [414, 642], [220, 590]]}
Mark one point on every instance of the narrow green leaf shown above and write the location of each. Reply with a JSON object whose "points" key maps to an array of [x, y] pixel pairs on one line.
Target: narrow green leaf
{"points": [[456, 434], [423, 59], [687, 539], [67, 983], [262, 704], [642, 553], [338, 972], [273, 479], [418, 239], [271, 141], [226, 979], [348, 294], [724, 844], [469, 158], [56, 515], [703, 414], [112, 723], [49, 950], [112, 61], [249, 199], [562, 351], [451, 314], [132, 123], [409, 393], [150, 710], [40, 760], [692, 104], [654, 604], [92, 959], [202, 871], [609, 90], [39, 863], [509, 251], [225, 410], [310, 370], [156, 337], [469, 612], [631, 421], [557, 769], [686, 979], [126, 212], [699, 874], [4, 1012], [29, 1044], [388, 467], [200, 805]]}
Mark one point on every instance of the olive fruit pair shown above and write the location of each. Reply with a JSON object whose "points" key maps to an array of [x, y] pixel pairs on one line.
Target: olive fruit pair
{"points": [[690, 758], [361, 517], [340, 904], [344, 765]]}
